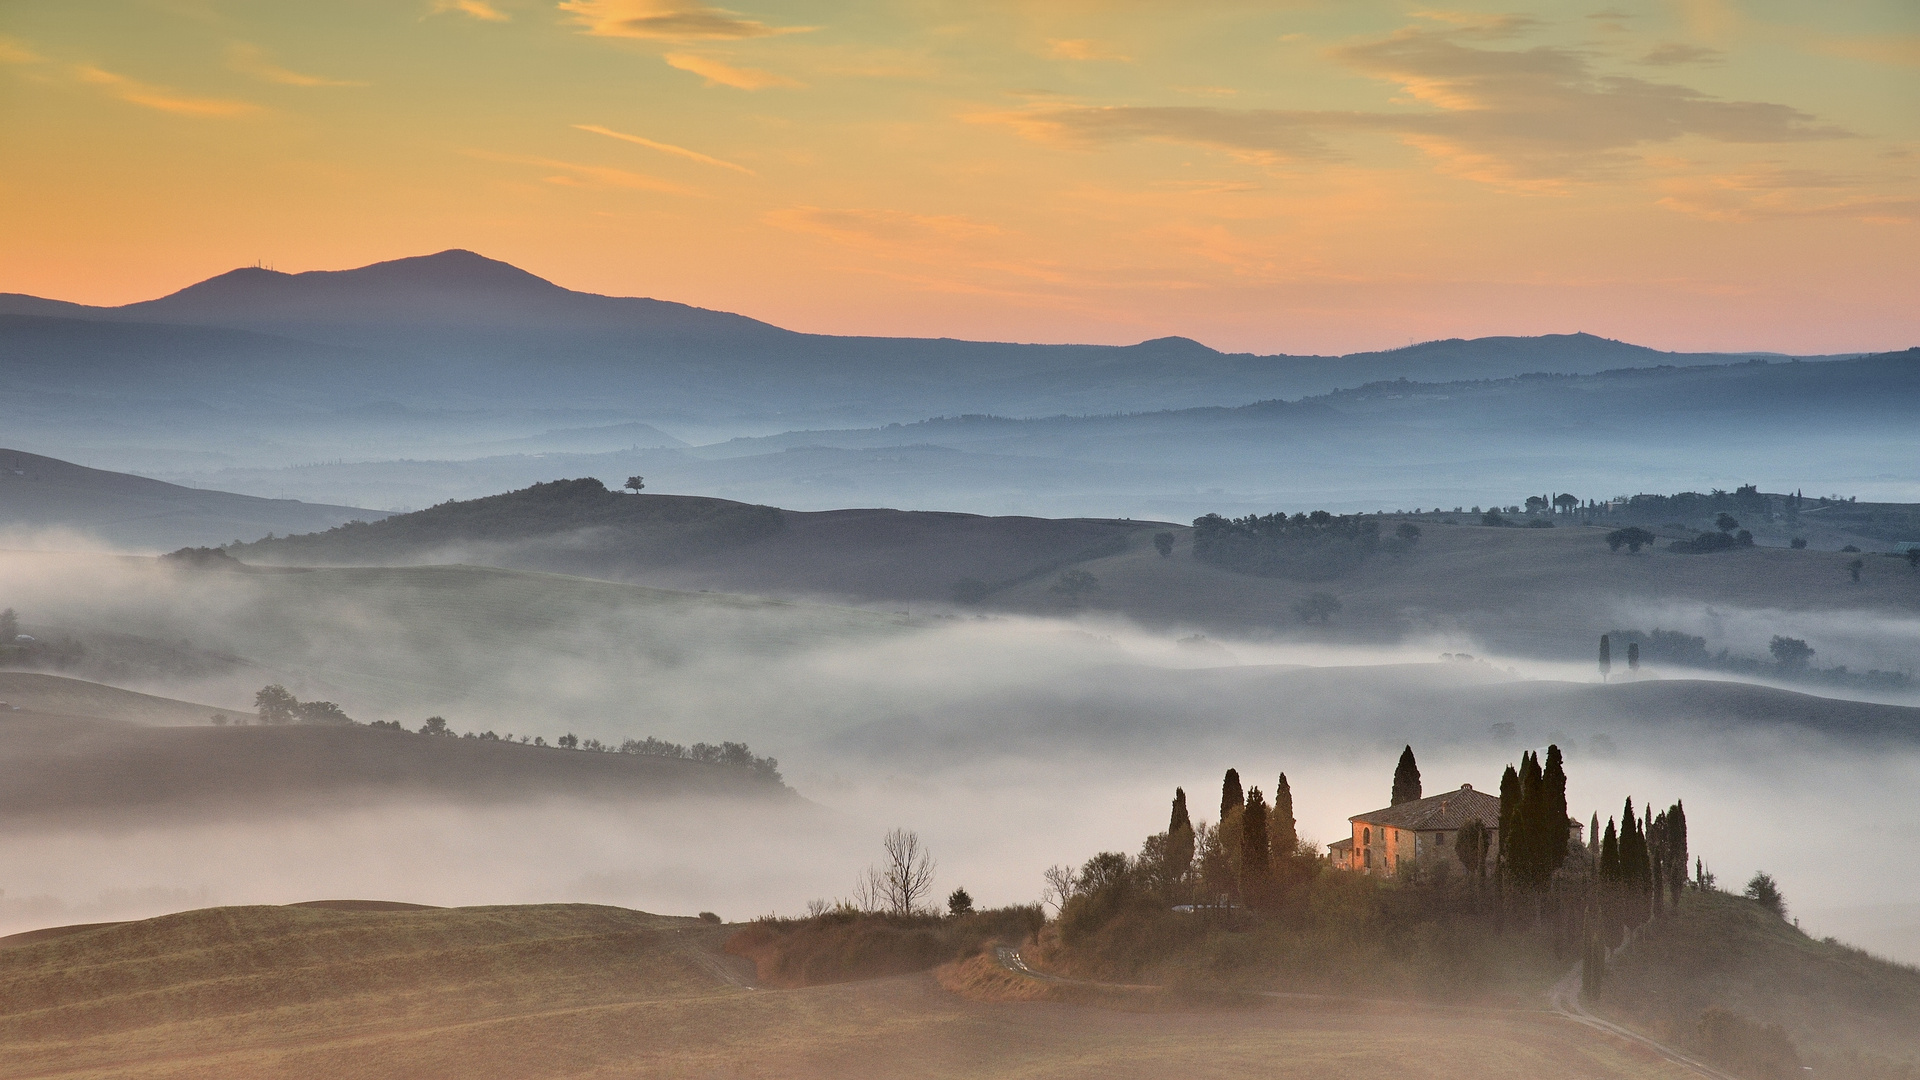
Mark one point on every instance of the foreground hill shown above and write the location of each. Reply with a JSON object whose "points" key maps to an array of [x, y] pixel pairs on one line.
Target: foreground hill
{"points": [[579, 527], [56, 695], [573, 991]]}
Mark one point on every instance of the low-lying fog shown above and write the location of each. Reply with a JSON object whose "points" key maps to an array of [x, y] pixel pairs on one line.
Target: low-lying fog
{"points": [[1009, 744]]}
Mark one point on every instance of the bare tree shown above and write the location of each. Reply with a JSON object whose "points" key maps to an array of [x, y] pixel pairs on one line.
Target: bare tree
{"points": [[1062, 883], [907, 878]]}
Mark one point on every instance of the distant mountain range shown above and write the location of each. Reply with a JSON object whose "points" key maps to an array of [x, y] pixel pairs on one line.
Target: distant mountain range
{"points": [[397, 357]]}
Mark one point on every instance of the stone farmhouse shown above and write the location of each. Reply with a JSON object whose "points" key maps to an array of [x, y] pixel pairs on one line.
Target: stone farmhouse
{"points": [[1420, 828]]}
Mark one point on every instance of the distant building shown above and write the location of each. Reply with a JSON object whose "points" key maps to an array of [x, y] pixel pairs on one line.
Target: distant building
{"points": [[1422, 828]]}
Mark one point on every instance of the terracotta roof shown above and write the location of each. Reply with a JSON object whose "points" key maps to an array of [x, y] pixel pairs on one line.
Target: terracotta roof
{"points": [[1449, 810], [1340, 845]]}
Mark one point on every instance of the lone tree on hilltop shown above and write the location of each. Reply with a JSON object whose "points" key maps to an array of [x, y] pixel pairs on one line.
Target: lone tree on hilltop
{"points": [[435, 725], [1854, 568], [1633, 538], [1163, 543], [1318, 607], [1633, 656], [1765, 891], [276, 704], [959, 902], [635, 484], [1566, 503], [1790, 652], [1606, 656], [1406, 779], [1726, 523]]}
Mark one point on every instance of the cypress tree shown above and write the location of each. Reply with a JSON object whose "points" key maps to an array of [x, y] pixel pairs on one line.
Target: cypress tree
{"points": [[1677, 841], [1253, 839], [1529, 851], [1593, 845], [1611, 886], [1180, 841], [1283, 835], [1610, 856], [1509, 819], [1406, 779], [1633, 656], [1230, 793], [1606, 656], [1553, 813]]}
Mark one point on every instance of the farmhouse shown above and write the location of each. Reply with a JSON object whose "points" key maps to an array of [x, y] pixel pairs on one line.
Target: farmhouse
{"points": [[1421, 828]]}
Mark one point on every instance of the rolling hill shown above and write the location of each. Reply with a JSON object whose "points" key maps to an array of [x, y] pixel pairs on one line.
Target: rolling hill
{"points": [[41, 494], [575, 991], [579, 527]]}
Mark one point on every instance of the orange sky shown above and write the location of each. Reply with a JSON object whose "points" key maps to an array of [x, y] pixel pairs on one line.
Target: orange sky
{"points": [[1298, 177]]}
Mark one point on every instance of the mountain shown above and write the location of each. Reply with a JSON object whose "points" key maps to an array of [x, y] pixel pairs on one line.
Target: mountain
{"points": [[39, 494], [275, 368]]}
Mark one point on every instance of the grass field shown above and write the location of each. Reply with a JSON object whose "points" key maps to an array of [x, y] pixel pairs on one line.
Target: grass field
{"points": [[575, 991]]}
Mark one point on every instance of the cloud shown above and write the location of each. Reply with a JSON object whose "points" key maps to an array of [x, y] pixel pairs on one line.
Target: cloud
{"points": [[575, 175], [667, 20], [880, 228], [13, 51], [665, 148], [135, 92], [1082, 49], [1528, 117], [1900, 50], [1773, 193], [478, 9], [1673, 53], [718, 73], [252, 60]]}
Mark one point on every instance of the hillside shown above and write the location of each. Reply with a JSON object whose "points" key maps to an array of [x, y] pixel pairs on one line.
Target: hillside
{"points": [[579, 527], [57, 695], [41, 494], [1845, 1011], [55, 769], [571, 991]]}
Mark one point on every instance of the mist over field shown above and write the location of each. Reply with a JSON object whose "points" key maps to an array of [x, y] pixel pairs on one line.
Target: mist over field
{"points": [[1011, 743]]}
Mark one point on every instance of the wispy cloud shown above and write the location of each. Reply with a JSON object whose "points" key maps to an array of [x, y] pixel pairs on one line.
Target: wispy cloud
{"points": [[1083, 49], [149, 96], [719, 73], [668, 20], [577, 175], [252, 60], [665, 148], [13, 51], [1902, 50], [1673, 53], [1521, 117], [477, 9], [868, 228]]}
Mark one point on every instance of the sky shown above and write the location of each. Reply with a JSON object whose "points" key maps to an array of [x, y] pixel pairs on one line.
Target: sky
{"points": [[1296, 177]]}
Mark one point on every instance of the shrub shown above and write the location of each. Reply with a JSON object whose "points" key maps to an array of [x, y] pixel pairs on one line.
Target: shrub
{"points": [[1305, 547], [1753, 1050], [843, 944]]}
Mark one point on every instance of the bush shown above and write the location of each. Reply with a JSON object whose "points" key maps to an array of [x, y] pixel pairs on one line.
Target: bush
{"points": [[708, 916], [1765, 891], [1753, 1050], [843, 945]]}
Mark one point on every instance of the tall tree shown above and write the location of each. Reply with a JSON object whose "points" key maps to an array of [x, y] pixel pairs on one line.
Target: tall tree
{"points": [[1230, 793], [1633, 656], [1283, 835], [1406, 779], [1606, 656], [1253, 839], [1553, 812], [1593, 845], [1677, 843], [1509, 820], [1470, 846], [1180, 842]]}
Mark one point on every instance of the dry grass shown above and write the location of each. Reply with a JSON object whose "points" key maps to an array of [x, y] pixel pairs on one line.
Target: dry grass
{"points": [[576, 991]]}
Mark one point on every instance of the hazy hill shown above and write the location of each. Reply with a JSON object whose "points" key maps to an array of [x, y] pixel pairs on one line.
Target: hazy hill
{"points": [[274, 362], [579, 527], [57, 768], [41, 494], [57, 695]]}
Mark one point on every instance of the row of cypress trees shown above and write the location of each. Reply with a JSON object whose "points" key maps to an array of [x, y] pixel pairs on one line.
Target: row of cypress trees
{"points": [[1250, 854]]}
